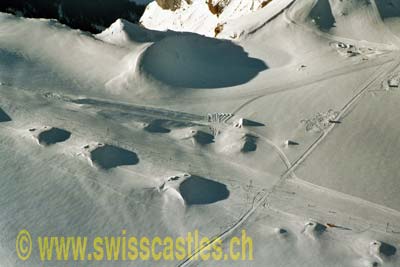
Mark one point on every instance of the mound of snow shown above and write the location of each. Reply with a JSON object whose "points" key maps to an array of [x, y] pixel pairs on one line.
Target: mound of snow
{"points": [[53, 136], [192, 61], [194, 189], [236, 140], [47, 136], [123, 33], [202, 138]]}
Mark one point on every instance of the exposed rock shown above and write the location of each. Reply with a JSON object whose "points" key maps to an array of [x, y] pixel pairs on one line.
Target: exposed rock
{"points": [[171, 4], [218, 7]]}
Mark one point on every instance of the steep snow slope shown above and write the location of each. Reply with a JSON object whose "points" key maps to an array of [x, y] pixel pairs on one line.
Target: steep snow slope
{"points": [[123, 33], [355, 19], [290, 132], [209, 18]]}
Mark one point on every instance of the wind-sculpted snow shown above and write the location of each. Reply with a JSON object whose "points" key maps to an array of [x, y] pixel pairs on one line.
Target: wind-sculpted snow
{"points": [[292, 132], [123, 32], [22, 67], [193, 61]]}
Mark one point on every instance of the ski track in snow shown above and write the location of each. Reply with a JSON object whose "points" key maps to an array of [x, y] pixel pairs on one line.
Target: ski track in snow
{"points": [[290, 173], [352, 102], [111, 110], [265, 194]]}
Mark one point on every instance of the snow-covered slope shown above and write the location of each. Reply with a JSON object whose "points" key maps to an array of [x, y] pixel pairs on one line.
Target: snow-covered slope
{"points": [[210, 18], [356, 19], [290, 131]]}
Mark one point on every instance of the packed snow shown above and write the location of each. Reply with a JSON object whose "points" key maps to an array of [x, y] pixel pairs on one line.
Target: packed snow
{"points": [[284, 123]]}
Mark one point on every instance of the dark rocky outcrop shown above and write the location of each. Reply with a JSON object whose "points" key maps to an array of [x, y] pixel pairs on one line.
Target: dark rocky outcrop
{"points": [[88, 15]]}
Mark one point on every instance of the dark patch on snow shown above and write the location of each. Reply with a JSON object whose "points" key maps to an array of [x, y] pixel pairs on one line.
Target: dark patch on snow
{"points": [[195, 61], [203, 138], [322, 15], [173, 178], [251, 123], [292, 143], [250, 143], [53, 136], [282, 231], [387, 249], [109, 156], [388, 8], [197, 190], [157, 126], [4, 116], [318, 228]]}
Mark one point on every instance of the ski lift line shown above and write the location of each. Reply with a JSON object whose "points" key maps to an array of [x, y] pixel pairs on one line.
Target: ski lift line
{"points": [[338, 194], [345, 108], [230, 230], [127, 145], [318, 78]]}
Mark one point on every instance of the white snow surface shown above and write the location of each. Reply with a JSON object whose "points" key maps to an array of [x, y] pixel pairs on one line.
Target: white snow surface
{"points": [[150, 107]]}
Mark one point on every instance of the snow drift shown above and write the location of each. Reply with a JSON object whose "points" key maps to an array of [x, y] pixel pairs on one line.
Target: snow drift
{"points": [[290, 127]]}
